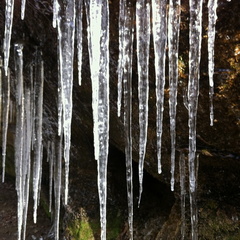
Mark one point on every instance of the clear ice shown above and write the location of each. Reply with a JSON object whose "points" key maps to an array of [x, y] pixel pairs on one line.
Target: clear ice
{"points": [[5, 103], [173, 45], [143, 43], [212, 18], [8, 32], [195, 40], [159, 29], [125, 76], [66, 34]]}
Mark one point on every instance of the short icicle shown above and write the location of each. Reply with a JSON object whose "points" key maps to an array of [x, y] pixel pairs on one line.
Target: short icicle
{"points": [[159, 29], [212, 18], [143, 43], [173, 45], [195, 40], [23, 4], [5, 117], [8, 32], [66, 34]]}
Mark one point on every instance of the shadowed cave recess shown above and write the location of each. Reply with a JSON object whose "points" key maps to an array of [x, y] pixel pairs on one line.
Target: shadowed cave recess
{"points": [[120, 119]]}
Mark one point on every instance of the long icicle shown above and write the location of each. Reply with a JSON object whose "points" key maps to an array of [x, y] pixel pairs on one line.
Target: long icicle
{"points": [[5, 107], [57, 185], [195, 40], [143, 42], [37, 165], [8, 32], [212, 18], [27, 155], [182, 173], [19, 139], [127, 45], [159, 29], [103, 116], [79, 5], [173, 45], [121, 27], [66, 34]]}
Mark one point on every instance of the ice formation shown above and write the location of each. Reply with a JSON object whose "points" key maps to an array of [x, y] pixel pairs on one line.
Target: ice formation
{"points": [[173, 45], [195, 38], [212, 18], [126, 30], [143, 44], [159, 29], [68, 21]]}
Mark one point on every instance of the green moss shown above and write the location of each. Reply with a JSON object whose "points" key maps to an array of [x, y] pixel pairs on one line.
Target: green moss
{"points": [[215, 223], [89, 229]]}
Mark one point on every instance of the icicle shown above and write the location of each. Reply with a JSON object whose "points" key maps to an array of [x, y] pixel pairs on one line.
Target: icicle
{"points": [[126, 68], [79, 38], [19, 138], [212, 18], [48, 151], [55, 12], [57, 187], [121, 27], [27, 156], [37, 166], [51, 170], [159, 28], [195, 38], [6, 102], [173, 44], [182, 173], [1, 80], [23, 9], [8, 32], [19, 67], [94, 34], [66, 33], [103, 115], [143, 42]]}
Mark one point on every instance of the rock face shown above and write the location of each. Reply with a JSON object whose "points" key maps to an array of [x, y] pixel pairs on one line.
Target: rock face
{"points": [[159, 216]]}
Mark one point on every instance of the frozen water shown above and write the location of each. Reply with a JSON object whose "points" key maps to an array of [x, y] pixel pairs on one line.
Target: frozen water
{"points": [[5, 108], [173, 45], [23, 9], [143, 42], [79, 38], [8, 32], [159, 29], [195, 40], [212, 18], [37, 163], [125, 75], [66, 35], [182, 173]]}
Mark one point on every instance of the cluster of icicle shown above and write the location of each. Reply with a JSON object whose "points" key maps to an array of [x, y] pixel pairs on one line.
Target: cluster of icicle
{"points": [[28, 108]]}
